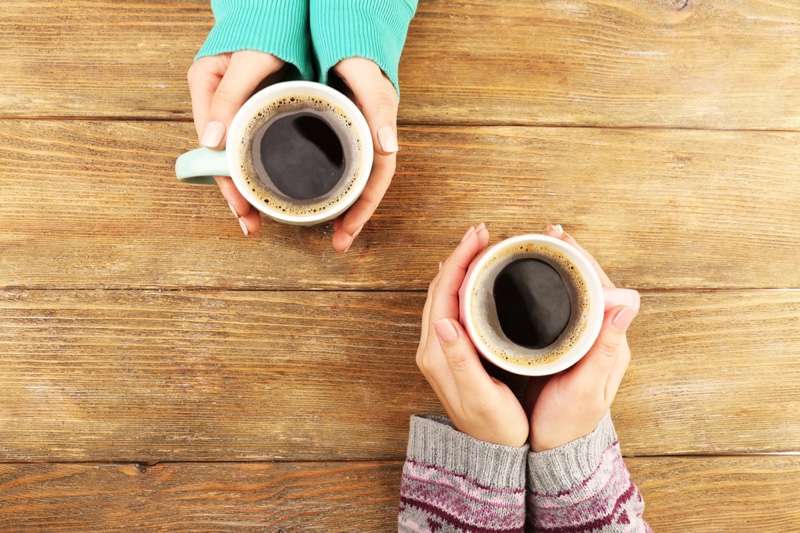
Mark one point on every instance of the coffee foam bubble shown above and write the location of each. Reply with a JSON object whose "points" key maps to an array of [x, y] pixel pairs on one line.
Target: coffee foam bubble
{"points": [[483, 311], [337, 119]]}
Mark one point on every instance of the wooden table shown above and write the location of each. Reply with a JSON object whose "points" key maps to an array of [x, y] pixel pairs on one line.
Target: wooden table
{"points": [[161, 372]]}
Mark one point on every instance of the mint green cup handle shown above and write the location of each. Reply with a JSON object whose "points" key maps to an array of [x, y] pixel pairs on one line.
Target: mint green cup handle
{"points": [[201, 165]]}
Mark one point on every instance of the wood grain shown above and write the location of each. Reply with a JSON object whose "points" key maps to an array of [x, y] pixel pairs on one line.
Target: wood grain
{"points": [[703, 494], [96, 204], [198, 376], [725, 64]]}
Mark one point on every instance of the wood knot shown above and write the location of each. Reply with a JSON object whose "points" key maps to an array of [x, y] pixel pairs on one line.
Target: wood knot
{"points": [[679, 4]]}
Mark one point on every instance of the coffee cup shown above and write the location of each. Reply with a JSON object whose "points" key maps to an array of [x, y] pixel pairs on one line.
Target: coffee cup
{"points": [[300, 152], [533, 304]]}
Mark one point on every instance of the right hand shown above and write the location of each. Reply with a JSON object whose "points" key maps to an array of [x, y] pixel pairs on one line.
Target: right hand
{"points": [[477, 404], [219, 85]]}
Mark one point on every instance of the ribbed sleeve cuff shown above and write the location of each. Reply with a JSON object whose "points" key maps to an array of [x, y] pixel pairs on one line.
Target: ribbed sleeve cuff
{"points": [[277, 27], [562, 468], [435, 442], [373, 29]]}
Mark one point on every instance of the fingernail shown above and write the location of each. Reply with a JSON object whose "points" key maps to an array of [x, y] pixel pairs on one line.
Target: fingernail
{"points": [[480, 227], [469, 232], [388, 139], [233, 210], [559, 229], [445, 330], [624, 318], [213, 134], [440, 265], [244, 227]]}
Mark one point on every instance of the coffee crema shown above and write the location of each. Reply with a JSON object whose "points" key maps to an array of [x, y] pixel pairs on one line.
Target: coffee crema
{"points": [[497, 322], [300, 155]]}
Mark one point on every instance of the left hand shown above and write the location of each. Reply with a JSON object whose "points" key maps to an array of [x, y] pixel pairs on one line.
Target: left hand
{"points": [[477, 404], [375, 95]]}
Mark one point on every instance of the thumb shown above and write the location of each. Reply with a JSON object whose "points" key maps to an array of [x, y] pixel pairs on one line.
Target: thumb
{"points": [[595, 367], [246, 70], [469, 374], [377, 99]]}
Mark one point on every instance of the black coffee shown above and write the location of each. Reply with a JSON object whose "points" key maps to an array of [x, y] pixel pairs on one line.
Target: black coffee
{"points": [[532, 302], [302, 155]]}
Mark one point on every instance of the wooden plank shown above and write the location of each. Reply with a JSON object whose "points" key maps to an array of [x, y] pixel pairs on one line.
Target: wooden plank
{"points": [[715, 494], [725, 64], [96, 204], [197, 497], [154, 376], [703, 494]]}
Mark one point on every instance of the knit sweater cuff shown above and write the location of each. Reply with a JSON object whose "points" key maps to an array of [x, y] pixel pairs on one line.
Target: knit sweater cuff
{"points": [[277, 27], [372, 29], [435, 442], [563, 468]]}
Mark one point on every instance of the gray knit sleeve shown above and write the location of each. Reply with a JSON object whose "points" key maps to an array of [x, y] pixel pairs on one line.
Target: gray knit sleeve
{"points": [[584, 485], [453, 482]]}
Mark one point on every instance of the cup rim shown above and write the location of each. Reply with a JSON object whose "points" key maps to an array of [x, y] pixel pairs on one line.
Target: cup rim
{"points": [[294, 88], [596, 305]]}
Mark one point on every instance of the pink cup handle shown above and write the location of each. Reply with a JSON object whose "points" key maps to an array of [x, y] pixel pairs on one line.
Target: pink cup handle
{"points": [[614, 297]]}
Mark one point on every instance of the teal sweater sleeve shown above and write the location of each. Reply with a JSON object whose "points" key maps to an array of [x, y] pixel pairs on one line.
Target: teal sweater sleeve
{"points": [[373, 29], [277, 27]]}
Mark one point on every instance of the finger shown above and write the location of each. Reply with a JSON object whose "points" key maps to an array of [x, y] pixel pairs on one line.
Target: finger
{"points": [[612, 297], [594, 370], [469, 375], [617, 371], [445, 295], [249, 218], [204, 76], [376, 97], [246, 70], [558, 233], [360, 212]]}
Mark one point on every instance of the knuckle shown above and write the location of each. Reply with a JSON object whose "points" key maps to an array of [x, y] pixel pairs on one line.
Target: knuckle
{"points": [[382, 102]]}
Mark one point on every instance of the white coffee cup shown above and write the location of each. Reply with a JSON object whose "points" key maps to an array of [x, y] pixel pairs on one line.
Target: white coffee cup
{"points": [[478, 314], [201, 165]]}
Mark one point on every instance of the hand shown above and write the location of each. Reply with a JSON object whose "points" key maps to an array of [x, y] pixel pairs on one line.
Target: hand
{"points": [[219, 85], [570, 404], [374, 94], [477, 404]]}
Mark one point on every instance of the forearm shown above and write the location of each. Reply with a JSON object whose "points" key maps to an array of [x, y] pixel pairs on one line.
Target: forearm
{"points": [[584, 486], [277, 27], [372, 29], [458, 483]]}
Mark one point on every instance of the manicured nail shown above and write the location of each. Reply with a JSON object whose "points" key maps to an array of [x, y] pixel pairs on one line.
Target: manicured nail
{"points": [[624, 318], [244, 227], [213, 134], [469, 232], [445, 330], [388, 139], [233, 210], [558, 229]]}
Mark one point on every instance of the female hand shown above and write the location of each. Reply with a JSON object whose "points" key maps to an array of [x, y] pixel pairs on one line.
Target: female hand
{"points": [[477, 404], [219, 86], [375, 95], [570, 404]]}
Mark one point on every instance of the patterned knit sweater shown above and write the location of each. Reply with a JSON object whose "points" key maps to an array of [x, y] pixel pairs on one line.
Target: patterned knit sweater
{"points": [[452, 483]]}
